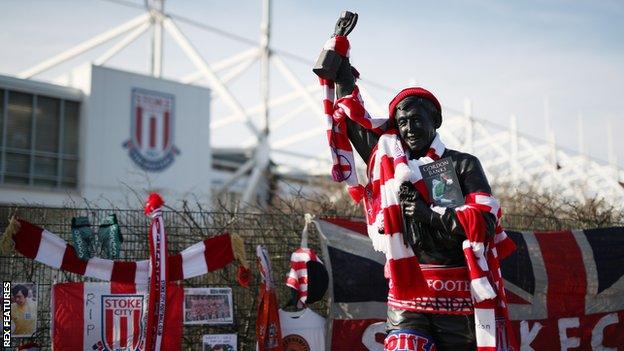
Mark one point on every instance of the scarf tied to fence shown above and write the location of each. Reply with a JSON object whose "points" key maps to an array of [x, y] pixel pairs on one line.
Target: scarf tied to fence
{"points": [[388, 167], [158, 274], [268, 327]]}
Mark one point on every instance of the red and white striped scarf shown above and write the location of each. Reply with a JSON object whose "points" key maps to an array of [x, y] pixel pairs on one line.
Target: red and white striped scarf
{"points": [[158, 272], [298, 275], [335, 113], [388, 167], [493, 331], [48, 248]]}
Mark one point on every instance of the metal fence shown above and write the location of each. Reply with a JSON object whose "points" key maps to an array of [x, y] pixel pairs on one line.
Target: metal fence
{"points": [[278, 231]]}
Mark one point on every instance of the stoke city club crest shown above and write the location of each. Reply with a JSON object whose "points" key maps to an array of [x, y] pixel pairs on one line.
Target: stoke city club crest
{"points": [[152, 117], [122, 322]]}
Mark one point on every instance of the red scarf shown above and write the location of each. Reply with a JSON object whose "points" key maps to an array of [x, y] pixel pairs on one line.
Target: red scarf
{"points": [[158, 274], [268, 329]]}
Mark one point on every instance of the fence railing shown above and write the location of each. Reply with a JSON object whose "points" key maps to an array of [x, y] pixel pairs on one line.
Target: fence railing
{"points": [[278, 231]]}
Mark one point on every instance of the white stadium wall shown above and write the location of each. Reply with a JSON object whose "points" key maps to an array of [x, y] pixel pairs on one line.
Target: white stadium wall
{"points": [[112, 165], [137, 134]]}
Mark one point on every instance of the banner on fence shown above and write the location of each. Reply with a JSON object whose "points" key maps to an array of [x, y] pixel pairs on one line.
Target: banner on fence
{"points": [[565, 289], [110, 316]]}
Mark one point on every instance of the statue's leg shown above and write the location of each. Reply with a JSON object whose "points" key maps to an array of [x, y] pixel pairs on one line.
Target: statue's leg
{"points": [[453, 332], [408, 331]]}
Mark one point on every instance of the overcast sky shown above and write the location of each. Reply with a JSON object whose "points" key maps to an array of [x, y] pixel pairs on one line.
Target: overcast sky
{"points": [[507, 57]]}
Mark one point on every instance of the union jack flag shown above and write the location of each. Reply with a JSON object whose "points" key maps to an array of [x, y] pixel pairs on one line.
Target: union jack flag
{"points": [[565, 289]]}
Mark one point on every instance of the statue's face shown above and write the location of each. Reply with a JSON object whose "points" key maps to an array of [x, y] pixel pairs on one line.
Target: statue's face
{"points": [[416, 128]]}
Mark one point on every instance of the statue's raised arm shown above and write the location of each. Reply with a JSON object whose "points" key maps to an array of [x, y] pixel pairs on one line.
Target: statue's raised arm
{"points": [[333, 65], [329, 61]]}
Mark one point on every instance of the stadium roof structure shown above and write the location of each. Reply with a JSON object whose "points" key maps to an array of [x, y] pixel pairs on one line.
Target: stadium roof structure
{"points": [[506, 154]]}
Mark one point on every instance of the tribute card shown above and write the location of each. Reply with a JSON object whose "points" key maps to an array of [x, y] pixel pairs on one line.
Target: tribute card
{"points": [[219, 342], [23, 309], [208, 306]]}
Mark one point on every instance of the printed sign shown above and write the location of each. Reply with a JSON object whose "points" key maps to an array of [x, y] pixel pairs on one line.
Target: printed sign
{"points": [[151, 145]]}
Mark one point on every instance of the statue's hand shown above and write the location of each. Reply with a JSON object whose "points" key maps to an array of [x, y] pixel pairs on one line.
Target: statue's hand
{"points": [[345, 23], [421, 211], [329, 61], [413, 204]]}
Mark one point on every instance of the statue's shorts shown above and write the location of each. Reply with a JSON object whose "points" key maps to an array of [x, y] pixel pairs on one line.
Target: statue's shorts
{"points": [[441, 332]]}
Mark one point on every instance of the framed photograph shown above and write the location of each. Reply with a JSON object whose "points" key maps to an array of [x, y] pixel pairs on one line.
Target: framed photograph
{"points": [[24, 299], [208, 306], [219, 342]]}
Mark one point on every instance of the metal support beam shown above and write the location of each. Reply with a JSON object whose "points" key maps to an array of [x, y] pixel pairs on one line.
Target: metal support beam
{"points": [[213, 80], [374, 108], [275, 102], [250, 54], [237, 71], [262, 150], [278, 123], [265, 56], [295, 83], [261, 164], [122, 44], [299, 137], [157, 38], [84, 46], [240, 172]]}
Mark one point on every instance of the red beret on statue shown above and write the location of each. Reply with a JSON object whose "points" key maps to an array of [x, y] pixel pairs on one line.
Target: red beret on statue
{"points": [[414, 91]]}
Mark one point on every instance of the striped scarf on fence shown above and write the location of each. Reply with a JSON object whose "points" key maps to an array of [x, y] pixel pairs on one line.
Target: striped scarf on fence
{"points": [[298, 275], [48, 248], [158, 273]]}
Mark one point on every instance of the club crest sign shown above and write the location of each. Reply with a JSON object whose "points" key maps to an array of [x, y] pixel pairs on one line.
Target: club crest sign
{"points": [[122, 322], [152, 117]]}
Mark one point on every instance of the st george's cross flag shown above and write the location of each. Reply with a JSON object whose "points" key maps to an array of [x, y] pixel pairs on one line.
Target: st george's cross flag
{"points": [[565, 289], [110, 316]]}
